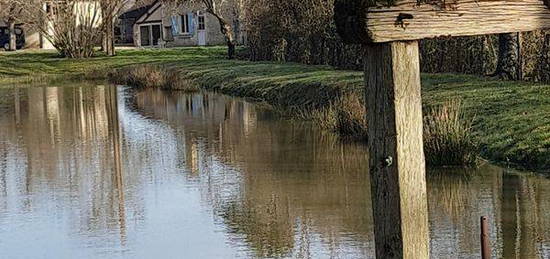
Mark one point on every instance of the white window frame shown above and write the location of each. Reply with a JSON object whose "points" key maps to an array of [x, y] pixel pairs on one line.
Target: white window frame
{"points": [[200, 15]]}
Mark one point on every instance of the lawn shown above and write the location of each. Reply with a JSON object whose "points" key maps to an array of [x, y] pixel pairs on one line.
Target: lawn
{"points": [[511, 119]]}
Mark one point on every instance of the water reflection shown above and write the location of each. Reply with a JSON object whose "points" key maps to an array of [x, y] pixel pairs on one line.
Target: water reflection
{"points": [[516, 204], [93, 171]]}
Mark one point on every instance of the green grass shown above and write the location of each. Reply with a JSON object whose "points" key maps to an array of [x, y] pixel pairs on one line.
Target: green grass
{"points": [[511, 119]]}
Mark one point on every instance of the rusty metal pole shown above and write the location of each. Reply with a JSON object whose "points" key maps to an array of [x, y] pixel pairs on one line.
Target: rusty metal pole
{"points": [[485, 242]]}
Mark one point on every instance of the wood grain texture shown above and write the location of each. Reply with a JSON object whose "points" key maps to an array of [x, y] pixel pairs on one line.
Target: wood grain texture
{"points": [[409, 20], [397, 167]]}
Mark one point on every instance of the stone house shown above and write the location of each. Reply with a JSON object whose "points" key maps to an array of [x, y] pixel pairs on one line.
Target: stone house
{"points": [[185, 25]]}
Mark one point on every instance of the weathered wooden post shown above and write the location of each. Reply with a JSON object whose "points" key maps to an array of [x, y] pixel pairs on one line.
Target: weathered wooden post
{"points": [[389, 31]]}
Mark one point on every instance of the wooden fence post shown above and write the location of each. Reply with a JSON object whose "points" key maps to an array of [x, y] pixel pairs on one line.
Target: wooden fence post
{"points": [[397, 166]]}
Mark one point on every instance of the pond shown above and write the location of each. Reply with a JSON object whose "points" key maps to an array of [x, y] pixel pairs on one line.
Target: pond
{"points": [[92, 171]]}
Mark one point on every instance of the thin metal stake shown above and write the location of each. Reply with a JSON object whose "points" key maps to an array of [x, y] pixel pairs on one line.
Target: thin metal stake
{"points": [[485, 242]]}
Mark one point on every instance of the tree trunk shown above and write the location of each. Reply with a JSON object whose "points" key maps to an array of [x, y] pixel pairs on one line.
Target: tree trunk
{"points": [[230, 38], [230, 50], [13, 37], [508, 65], [103, 42], [229, 34], [109, 41]]}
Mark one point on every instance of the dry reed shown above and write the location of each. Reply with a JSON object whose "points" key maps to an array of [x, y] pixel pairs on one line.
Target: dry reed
{"points": [[345, 116], [448, 139], [153, 76]]}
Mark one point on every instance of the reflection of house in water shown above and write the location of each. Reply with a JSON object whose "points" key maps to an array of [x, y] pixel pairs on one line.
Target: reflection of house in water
{"points": [[193, 158]]}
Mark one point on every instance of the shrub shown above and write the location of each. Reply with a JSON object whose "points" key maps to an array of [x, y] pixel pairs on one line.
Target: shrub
{"points": [[345, 116], [448, 139], [153, 76]]}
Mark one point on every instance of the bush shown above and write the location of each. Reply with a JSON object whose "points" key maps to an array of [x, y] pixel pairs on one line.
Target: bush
{"points": [[448, 139], [345, 116], [153, 76]]}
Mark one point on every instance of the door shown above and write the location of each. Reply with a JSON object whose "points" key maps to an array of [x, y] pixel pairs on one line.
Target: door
{"points": [[201, 32], [145, 35], [156, 34]]}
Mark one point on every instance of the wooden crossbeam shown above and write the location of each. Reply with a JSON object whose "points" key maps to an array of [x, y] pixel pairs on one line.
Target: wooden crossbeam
{"points": [[411, 20]]}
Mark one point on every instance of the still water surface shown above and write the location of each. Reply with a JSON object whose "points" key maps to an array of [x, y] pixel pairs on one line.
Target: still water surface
{"points": [[102, 172]]}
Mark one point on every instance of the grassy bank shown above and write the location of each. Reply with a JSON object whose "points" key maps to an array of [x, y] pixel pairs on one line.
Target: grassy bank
{"points": [[511, 119]]}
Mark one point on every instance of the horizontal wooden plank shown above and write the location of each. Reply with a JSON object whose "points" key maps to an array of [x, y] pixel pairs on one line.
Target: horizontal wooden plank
{"points": [[409, 20]]}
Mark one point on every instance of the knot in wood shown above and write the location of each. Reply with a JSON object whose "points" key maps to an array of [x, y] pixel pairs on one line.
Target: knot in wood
{"points": [[388, 161]]}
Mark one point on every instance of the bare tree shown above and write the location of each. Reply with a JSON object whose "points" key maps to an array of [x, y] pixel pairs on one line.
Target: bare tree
{"points": [[221, 10], [11, 11], [216, 7], [110, 10], [72, 26]]}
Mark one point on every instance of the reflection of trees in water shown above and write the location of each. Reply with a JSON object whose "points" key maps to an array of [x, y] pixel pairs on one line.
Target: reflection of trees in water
{"points": [[526, 226], [280, 188], [293, 187], [283, 188], [266, 229], [303, 181], [514, 203], [67, 144], [455, 201]]}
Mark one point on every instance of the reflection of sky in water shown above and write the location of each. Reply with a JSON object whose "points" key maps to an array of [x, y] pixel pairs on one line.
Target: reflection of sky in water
{"points": [[207, 176]]}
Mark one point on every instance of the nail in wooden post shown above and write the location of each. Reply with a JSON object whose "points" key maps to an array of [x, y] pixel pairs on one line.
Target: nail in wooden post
{"points": [[485, 242], [397, 167]]}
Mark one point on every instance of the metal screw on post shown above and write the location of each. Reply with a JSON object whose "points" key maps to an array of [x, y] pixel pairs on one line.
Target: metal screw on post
{"points": [[485, 243]]}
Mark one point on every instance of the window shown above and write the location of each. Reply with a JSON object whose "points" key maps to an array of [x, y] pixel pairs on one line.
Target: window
{"points": [[185, 26], [145, 34], [202, 23]]}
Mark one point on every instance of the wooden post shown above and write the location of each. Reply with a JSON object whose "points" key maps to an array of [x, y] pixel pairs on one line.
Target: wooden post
{"points": [[485, 244], [394, 107], [397, 167]]}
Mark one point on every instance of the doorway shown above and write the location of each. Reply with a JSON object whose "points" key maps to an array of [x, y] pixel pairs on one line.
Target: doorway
{"points": [[201, 29], [150, 35]]}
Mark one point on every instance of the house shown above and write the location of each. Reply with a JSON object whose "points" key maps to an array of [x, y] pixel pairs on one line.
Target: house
{"points": [[34, 38], [185, 25], [125, 28]]}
